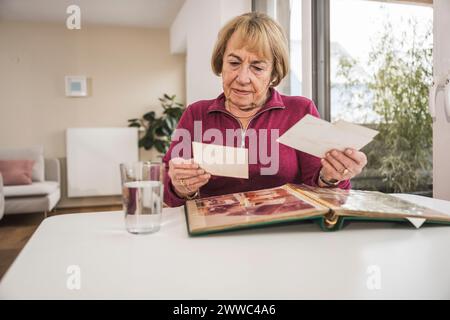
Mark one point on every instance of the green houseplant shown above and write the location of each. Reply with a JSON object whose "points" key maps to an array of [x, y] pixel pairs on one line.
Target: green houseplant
{"points": [[157, 131]]}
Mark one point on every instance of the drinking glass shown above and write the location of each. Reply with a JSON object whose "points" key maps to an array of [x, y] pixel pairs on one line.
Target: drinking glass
{"points": [[142, 196]]}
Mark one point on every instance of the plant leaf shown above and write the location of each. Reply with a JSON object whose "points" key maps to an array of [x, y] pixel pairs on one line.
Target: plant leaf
{"points": [[149, 116], [160, 146]]}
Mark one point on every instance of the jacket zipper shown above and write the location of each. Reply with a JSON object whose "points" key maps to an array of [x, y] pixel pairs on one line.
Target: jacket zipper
{"points": [[248, 124]]}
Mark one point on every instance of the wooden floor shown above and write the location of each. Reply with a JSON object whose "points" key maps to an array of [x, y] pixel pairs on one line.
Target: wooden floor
{"points": [[16, 230]]}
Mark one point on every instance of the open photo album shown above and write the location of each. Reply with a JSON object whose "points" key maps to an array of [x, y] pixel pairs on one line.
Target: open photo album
{"points": [[331, 208]]}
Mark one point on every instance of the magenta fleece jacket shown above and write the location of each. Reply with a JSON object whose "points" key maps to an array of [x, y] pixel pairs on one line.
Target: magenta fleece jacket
{"points": [[271, 164]]}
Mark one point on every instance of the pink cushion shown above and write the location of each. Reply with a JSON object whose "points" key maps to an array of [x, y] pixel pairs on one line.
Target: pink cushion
{"points": [[16, 172]]}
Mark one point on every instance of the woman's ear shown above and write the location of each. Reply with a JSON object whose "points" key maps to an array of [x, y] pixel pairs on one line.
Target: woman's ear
{"points": [[272, 82], [273, 79]]}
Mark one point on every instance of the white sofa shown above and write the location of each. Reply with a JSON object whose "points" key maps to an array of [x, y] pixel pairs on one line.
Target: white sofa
{"points": [[44, 192], [2, 198]]}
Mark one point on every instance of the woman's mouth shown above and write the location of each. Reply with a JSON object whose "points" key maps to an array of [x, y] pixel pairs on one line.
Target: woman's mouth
{"points": [[241, 92]]}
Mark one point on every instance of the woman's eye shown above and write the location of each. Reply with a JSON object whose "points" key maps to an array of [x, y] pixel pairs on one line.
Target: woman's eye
{"points": [[258, 69], [234, 63]]}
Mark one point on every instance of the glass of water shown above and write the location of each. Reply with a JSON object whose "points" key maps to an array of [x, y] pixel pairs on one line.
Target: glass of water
{"points": [[142, 196]]}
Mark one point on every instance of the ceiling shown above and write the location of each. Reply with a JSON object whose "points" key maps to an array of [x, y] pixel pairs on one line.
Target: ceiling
{"points": [[142, 13]]}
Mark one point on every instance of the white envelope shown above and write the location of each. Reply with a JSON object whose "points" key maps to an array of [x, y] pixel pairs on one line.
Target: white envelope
{"points": [[221, 160], [316, 136]]}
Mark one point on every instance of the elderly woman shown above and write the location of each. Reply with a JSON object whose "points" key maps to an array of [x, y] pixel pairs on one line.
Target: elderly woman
{"points": [[251, 56]]}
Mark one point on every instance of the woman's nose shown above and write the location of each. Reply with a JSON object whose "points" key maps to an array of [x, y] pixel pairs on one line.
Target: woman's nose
{"points": [[243, 75]]}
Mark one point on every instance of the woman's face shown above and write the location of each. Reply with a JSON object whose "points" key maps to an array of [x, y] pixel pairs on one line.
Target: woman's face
{"points": [[245, 76]]}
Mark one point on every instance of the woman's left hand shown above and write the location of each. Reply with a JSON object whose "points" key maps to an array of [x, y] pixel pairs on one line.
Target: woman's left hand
{"points": [[338, 165]]}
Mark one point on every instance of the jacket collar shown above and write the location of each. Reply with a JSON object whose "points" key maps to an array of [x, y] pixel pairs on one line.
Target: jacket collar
{"points": [[275, 101]]}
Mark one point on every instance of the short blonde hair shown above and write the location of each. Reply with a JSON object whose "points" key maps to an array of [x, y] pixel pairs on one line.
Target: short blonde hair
{"points": [[260, 34]]}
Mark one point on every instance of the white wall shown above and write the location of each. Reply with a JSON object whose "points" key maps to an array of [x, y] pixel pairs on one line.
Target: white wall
{"points": [[441, 126], [129, 69], [194, 33]]}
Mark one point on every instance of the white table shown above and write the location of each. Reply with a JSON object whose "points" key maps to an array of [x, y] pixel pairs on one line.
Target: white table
{"points": [[285, 262]]}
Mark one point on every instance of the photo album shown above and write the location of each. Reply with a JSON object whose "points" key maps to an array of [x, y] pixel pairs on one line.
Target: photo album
{"points": [[331, 208]]}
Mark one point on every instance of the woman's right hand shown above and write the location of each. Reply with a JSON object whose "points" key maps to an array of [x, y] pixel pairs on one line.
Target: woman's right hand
{"points": [[186, 176]]}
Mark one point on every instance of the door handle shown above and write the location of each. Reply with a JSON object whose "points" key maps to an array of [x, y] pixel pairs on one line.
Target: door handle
{"points": [[447, 96], [432, 98]]}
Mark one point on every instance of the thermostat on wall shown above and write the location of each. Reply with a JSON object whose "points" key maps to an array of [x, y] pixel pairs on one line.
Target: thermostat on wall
{"points": [[76, 86]]}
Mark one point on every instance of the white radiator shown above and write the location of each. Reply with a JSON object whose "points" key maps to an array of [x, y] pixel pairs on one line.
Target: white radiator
{"points": [[93, 158]]}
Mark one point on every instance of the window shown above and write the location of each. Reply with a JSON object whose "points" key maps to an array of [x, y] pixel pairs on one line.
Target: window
{"points": [[380, 71], [368, 62], [295, 47], [295, 18]]}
